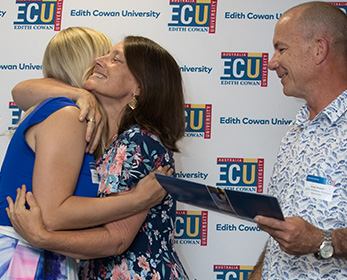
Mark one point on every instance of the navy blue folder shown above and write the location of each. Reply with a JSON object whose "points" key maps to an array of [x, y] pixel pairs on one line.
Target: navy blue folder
{"points": [[243, 205]]}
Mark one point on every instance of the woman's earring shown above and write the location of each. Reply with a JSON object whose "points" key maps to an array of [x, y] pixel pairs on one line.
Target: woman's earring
{"points": [[133, 103]]}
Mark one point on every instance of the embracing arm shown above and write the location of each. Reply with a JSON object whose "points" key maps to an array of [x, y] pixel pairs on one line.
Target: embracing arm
{"points": [[30, 92], [111, 239], [89, 212], [59, 148]]}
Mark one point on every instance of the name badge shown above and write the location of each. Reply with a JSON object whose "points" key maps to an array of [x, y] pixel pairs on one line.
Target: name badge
{"points": [[95, 176], [319, 187]]}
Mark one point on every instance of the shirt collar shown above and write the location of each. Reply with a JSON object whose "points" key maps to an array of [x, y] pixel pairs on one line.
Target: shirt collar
{"points": [[331, 113]]}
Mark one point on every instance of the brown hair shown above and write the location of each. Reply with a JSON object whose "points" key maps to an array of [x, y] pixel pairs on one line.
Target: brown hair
{"points": [[160, 104]]}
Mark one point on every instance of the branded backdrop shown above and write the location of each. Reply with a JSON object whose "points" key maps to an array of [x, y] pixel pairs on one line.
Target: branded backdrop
{"points": [[236, 113]]}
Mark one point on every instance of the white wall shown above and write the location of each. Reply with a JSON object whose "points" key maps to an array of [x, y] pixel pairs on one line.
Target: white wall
{"points": [[232, 245]]}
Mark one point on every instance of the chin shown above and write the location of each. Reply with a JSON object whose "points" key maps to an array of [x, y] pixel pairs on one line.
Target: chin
{"points": [[88, 85], [289, 93], [286, 91]]}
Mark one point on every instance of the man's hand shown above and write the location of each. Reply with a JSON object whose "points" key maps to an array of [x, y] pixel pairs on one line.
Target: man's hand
{"points": [[295, 236]]}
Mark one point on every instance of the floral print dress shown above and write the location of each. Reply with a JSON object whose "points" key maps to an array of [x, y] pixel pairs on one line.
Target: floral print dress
{"points": [[132, 156]]}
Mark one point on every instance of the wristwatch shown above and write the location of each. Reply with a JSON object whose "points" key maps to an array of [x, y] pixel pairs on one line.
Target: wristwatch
{"points": [[326, 249]]}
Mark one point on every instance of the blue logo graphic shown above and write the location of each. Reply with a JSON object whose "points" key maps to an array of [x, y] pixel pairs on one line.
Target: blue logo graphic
{"points": [[232, 272], [39, 14], [198, 120], [16, 113], [245, 69], [191, 227], [193, 15], [241, 174]]}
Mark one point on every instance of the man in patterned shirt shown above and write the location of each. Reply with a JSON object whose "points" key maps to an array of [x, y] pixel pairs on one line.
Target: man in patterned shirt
{"points": [[310, 174]]}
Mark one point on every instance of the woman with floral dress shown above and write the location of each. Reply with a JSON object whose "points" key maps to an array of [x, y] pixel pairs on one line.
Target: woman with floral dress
{"points": [[135, 153]]}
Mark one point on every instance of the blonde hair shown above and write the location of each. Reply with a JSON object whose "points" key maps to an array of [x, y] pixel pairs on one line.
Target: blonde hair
{"points": [[69, 57], [70, 54]]}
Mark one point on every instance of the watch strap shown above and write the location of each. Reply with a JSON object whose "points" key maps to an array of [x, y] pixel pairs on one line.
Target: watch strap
{"points": [[327, 236], [326, 242]]}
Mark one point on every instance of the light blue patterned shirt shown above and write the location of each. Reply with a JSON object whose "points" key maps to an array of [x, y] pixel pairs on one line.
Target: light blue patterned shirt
{"points": [[310, 181]]}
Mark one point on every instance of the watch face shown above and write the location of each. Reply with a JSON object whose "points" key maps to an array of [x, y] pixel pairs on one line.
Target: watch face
{"points": [[327, 251]]}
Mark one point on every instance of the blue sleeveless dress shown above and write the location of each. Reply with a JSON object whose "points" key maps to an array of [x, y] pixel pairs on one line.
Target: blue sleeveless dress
{"points": [[18, 259]]}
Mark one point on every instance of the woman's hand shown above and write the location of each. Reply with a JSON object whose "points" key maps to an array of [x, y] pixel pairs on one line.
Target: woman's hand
{"points": [[90, 111], [149, 189], [27, 223]]}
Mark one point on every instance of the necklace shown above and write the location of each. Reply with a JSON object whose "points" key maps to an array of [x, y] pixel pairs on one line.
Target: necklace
{"points": [[113, 137], [110, 141]]}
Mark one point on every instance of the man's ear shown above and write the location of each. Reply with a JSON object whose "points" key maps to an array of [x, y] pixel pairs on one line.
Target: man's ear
{"points": [[321, 50]]}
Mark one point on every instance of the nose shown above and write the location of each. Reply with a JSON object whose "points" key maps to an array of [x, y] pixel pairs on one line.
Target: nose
{"points": [[273, 63], [99, 60]]}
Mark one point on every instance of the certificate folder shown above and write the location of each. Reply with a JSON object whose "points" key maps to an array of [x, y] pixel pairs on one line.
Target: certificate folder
{"points": [[243, 205]]}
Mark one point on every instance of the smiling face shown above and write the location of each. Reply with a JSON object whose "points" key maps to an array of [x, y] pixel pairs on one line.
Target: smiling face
{"points": [[292, 59], [112, 78]]}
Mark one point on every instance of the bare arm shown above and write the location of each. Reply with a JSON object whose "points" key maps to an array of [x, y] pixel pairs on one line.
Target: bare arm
{"points": [[95, 211], [30, 92], [59, 148], [111, 239]]}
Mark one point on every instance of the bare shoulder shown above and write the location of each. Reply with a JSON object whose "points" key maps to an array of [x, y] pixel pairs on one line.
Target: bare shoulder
{"points": [[68, 111], [68, 115], [60, 129], [64, 121]]}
